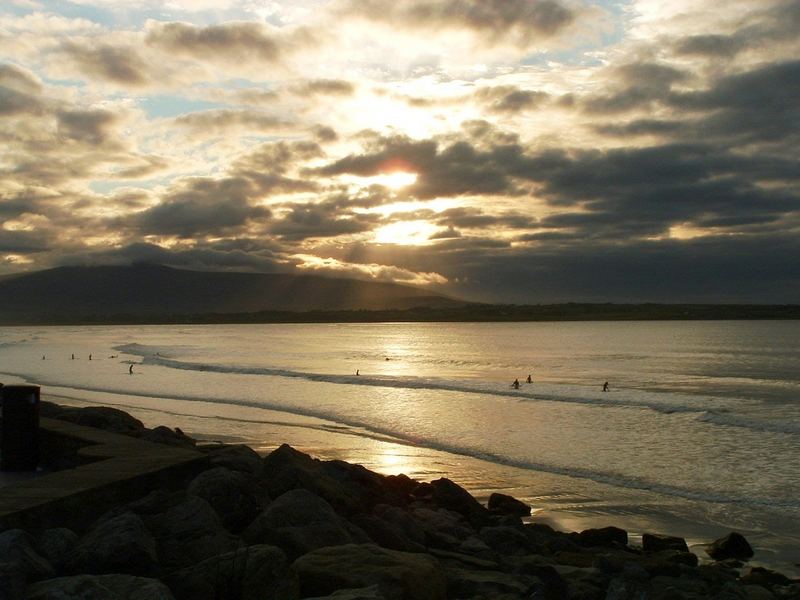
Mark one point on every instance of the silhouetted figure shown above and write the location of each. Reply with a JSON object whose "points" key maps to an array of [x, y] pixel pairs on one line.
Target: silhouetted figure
{"points": [[357, 373], [90, 357], [130, 369], [515, 385], [42, 356], [605, 386], [73, 357], [529, 380]]}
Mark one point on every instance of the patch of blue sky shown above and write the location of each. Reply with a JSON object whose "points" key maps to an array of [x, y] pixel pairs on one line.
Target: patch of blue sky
{"points": [[167, 105]]}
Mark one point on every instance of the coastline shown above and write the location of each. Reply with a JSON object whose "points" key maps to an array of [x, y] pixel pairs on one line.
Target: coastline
{"points": [[300, 526], [554, 499]]}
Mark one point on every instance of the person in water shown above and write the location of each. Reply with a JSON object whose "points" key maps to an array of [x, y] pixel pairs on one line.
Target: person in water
{"points": [[515, 385], [529, 380], [605, 386], [130, 369], [357, 373]]}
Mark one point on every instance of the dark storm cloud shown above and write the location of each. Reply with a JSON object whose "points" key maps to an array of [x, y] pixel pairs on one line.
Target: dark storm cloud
{"points": [[637, 85], [710, 45], [474, 218], [314, 221], [229, 42], [204, 206], [22, 242], [520, 22], [118, 64], [509, 99]]}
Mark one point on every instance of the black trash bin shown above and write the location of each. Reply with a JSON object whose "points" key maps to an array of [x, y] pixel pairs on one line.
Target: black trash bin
{"points": [[20, 445]]}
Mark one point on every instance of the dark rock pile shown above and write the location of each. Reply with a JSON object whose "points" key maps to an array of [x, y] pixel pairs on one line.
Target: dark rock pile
{"points": [[289, 526]]}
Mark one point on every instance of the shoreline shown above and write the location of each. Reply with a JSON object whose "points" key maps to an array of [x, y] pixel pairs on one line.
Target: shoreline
{"points": [[553, 497]]}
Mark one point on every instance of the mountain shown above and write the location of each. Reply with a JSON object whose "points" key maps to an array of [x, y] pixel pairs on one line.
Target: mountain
{"points": [[74, 294]]}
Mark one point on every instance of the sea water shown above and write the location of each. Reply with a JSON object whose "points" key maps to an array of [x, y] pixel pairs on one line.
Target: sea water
{"points": [[699, 433]]}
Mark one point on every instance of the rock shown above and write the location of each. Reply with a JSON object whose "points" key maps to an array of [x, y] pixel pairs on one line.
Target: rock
{"points": [[235, 497], [18, 551], [453, 497], [765, 577], [236, 457], [188, 532], [99, 587], [553, 586], [463, 583], [398, 575], [508, 505], [756, 592], [170, 437], [371, 592], [443, 528], [402, 519], [605, 536], [298, 522], [348, 488], [258, 572], [671, 563], [102, 417], [120, 544], [12, 581], [57, 545], [506, 540], [386, 534], [656, 543], [733, 545]]}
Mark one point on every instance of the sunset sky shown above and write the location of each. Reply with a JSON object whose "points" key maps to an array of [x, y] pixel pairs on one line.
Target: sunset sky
{"points": [[517, 151]]}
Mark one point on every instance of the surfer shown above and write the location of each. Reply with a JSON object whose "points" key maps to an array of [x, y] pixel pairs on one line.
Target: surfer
{"points": [[515, 385], [357, 373], [529, 380], [130, 369], [73, 357], [90, 357], [605, 386]]}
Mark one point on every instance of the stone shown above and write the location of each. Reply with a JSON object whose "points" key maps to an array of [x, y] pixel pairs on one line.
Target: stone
{"points": [[170, 437], [371, 592], [188, 532], [386, 534], [443, 528], [12, 581], [57, 545], [259, 572], [349, 488], [235, 497], [236, 457], [506, 540], [119, 544], [298, 522], [402, 519], [101, 417], [656, 543], [99, 587], [604, 536], [733, 545], [464, 583], [508, 505], [757, 592], [453, 497], [18, 551], [398, 575], [764, 577]]}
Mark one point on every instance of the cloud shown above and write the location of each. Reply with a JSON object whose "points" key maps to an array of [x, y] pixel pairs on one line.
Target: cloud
{"points": [[327, 87], [89, 126], [117, 64], [521, 23], [509, 99], [219, 121]]}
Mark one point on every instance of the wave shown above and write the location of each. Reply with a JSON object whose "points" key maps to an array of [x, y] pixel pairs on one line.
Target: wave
{"points": [[729, 420]]}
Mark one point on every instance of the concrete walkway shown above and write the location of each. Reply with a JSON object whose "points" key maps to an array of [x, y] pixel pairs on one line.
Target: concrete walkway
{"points": [[124, 468]]}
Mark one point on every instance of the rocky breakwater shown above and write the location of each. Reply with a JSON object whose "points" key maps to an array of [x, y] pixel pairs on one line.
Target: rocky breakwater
{"points": [[289, 526]]}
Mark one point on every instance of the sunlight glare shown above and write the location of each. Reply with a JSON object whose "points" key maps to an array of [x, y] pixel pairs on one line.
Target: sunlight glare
{"points": [[407, 233]]}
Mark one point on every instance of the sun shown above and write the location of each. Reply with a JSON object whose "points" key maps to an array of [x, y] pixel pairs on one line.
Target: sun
{"points": [[406, 233], [395, 180]]}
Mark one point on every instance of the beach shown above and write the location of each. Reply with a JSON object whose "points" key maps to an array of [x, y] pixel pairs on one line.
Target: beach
{"points": [[696, 437]]}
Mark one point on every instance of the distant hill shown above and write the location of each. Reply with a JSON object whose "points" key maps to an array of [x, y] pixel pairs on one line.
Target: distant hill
{"points": [[79, 294]]}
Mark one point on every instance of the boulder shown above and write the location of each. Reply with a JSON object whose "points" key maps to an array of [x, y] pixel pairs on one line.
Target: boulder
{"points": [[349, 488], [733, 545], [506, 540], [656, 543], [443, 528], [102, 417], [765, 577], [236, 457], [99, 587], [386, 534], [466, 583], [18, 552], [298, 522], [57, 545], [371, 592], [188, 532], [235, 497], [170, 437], [508, 505], [603, 537], [398, 575], [12, 581], [452, 496], [251, 573], [119, 544], [401, 518]]}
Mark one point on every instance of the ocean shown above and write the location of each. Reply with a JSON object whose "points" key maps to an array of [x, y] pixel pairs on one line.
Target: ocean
{"points": [[698, 435]]}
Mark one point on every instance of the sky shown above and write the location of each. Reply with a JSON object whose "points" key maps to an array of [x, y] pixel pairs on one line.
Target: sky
{"points": [[509, 151]]}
